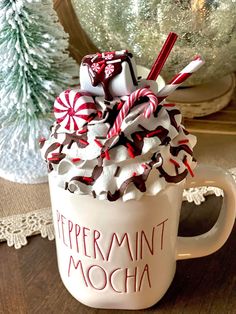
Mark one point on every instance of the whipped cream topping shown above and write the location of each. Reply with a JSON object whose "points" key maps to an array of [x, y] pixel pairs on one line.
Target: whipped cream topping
{"points": [[147, 154], [140, 156]]}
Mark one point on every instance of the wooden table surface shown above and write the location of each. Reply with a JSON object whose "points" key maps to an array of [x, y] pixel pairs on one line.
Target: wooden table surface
{"points": [[30, 282]]}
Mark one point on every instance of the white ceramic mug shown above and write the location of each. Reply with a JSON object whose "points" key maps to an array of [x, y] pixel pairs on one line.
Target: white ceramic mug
{"points": [[123, 255]]}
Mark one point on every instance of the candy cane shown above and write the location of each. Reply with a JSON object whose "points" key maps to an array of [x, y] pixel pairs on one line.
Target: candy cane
{"points": [[153, 102], [74, 109], [158, 99]]}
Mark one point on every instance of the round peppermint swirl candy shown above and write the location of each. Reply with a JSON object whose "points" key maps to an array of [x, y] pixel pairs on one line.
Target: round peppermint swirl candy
{"points": [[109, 69], [74, 109]]}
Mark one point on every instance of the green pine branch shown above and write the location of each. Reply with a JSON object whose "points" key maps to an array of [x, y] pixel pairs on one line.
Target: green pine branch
{"points": [[35, 65]]}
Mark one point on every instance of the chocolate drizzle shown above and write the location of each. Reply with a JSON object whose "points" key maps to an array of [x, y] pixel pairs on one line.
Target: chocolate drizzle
{"points": [[172, 179], [41, 143], [185, 131], [57, 157], [69, 140], [134, 143], [99, 75], [51, 148], [97, 171], [161, 133], [137, 149], [50, 167], [174, 150], [172, 114], [55, 133], [79, 140], [138, 181], [117, 172], [70, 144], [85, 180]]}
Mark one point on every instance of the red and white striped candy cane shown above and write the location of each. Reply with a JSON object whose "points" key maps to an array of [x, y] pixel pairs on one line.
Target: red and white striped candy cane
{"points": [[179, 78], [74, 109], [153, 102]]}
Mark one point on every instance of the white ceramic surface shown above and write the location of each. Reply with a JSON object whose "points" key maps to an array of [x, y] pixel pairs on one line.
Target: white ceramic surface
{"points": [[120, 255]]}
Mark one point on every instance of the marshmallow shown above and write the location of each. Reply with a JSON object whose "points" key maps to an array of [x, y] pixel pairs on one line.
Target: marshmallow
{"points": [[101, 69]]}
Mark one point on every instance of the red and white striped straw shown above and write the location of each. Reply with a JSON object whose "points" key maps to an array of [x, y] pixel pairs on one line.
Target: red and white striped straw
{"points": [[179, 78], [155, 100], [129, 104]]}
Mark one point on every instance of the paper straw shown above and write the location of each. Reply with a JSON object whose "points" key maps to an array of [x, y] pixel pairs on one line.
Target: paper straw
{"points": [[163, 55], [176, 81], [179, 78], [154, 100]]}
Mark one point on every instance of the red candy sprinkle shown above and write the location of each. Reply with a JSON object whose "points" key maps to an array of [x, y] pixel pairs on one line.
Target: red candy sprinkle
{"points": [[129, 146], [174, 162], [83, 131], [183, 141], [83, 141], [101, 69], [53, 159], [131, 153], [90, 119], [188, 167], [98, 143], [75, 159], [42, 139], [139, 137], [153, 133], [169, 105], [107, 155], [130, 150], [88, 179]]}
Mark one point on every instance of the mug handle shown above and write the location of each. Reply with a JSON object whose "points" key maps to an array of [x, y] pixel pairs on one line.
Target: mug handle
{"points": [[211, 241]]}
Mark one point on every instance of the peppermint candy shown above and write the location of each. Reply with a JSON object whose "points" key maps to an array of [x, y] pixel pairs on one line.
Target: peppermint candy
{"points": [[95, 67], [108, 56], [74, 109], [109, 69]]}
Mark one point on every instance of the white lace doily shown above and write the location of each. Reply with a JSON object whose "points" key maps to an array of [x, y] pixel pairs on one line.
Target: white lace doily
{"points": [[197, 195], [15, 229]]}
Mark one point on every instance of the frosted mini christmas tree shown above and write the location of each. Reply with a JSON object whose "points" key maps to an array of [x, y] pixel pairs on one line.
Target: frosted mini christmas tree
{"points": [[35, 67]]}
